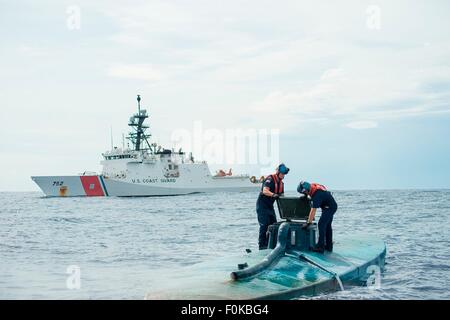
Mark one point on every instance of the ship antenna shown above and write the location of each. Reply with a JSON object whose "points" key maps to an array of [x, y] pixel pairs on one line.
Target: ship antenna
{"points": [[139, 103], [138, 135]]}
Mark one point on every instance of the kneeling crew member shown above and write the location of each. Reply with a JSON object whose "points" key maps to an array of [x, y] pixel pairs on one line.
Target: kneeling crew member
{"points": [[320, 198], [271, 189]]}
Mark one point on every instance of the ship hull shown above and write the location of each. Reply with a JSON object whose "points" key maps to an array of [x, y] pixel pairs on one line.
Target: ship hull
{"points": [[98, 185], [71, 186]]}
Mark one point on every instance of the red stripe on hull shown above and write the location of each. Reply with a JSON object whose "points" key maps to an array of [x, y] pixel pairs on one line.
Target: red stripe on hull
{"points": [[92, 186]]}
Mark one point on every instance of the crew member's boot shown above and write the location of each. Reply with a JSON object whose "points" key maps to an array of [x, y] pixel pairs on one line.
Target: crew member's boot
{"points": [[318, 249]]}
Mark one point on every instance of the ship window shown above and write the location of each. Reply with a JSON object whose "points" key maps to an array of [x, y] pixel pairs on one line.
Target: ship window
{"points": [[170, 167]]}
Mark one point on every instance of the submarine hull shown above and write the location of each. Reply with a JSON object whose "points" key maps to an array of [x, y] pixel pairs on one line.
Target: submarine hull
{"points": [[354, 260]]}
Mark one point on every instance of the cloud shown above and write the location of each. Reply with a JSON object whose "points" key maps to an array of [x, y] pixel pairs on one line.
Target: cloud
{"points": [[311, 65], [394, 87], [362, 125], [332, 74], [31, 51], [127, 39], [135, 71]]}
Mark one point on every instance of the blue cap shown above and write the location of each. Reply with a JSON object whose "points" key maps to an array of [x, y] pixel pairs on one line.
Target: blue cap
{"points": [[304, 187], [283, 169]]}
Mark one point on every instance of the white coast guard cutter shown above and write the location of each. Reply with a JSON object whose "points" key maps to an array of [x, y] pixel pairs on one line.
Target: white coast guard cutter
{"points": [[144, 170]]}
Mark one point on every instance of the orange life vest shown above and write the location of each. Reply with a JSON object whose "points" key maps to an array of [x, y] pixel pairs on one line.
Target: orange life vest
{"points": [[279, 184], [315, 187]]}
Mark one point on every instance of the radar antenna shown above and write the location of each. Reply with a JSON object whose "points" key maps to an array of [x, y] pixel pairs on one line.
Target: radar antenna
{"points": [[137, 136]]}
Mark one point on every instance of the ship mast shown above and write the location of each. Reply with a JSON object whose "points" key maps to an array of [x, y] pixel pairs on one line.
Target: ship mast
{"points": [[137, 136]]}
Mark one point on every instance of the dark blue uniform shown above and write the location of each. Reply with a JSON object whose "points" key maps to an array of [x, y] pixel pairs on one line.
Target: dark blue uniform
{"points": [[324, 200], [265, 210]]}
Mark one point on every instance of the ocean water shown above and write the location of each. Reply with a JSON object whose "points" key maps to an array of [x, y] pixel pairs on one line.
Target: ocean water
{"points": [[121, 245]]}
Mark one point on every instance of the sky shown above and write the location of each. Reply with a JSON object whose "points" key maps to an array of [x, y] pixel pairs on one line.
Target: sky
{"points": [[358, 90]]}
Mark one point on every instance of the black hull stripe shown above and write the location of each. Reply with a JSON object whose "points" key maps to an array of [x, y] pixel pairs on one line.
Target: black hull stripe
{"points": [[103, 184]]}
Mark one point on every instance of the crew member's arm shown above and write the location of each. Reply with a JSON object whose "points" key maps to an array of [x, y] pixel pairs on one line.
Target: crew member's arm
{"points": [[267, 192], [312, 214]]}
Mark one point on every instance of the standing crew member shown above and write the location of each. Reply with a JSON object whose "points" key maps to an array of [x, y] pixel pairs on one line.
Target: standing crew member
{"points": [[272, 188], [320, 198]]}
